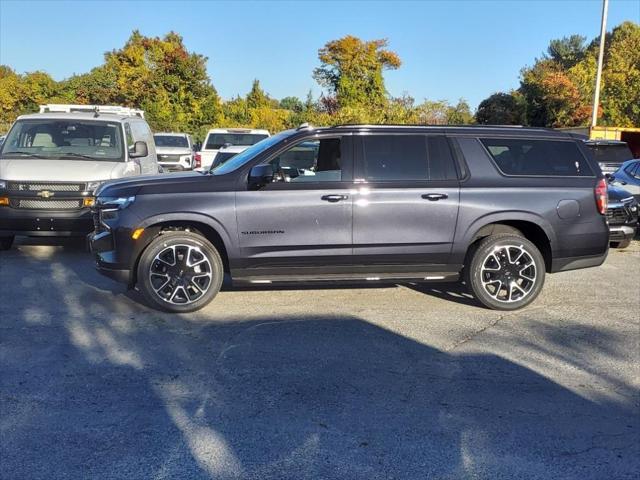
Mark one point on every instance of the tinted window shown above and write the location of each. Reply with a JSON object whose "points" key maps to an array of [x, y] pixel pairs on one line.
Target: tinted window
{"points": [[610, 152], [407, 157], [171, 141], [537, 157], [310, 161], [217, 140]]}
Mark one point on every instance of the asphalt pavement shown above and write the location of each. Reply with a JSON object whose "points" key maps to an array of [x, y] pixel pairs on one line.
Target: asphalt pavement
{"points": [[399, 382]]}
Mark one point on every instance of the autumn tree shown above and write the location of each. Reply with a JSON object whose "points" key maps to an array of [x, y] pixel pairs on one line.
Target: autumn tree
{"points": [[352, 71]]}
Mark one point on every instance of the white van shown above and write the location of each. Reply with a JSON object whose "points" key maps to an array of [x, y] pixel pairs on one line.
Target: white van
{"points": [[220, 137], [51, 163]]}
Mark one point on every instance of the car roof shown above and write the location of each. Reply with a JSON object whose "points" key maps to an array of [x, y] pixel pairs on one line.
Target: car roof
{"points": [[172, 134], [105, 117], [503, 130]]}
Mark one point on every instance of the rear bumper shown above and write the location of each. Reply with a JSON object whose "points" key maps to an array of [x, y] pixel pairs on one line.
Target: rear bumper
{"points": [[574, 263], [45, 223], [619, 233]]}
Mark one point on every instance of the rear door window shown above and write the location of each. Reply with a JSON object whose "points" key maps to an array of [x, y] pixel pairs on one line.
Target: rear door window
{"points": [[548, 158], [407, 158]]}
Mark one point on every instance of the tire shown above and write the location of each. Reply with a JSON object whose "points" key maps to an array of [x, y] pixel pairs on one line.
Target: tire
{"points": [[621, 244], [520, 262], [190, 283], [6, 242]]}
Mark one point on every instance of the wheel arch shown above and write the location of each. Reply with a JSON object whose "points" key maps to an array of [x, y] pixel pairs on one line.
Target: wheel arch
{"points": [[206, 226], [533, 227]]}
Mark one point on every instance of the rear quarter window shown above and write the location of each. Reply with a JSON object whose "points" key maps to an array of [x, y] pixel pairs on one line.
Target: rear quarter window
{"points": [[547, 158]]}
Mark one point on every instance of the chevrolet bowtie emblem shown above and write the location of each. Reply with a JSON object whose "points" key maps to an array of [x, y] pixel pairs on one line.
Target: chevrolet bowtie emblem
{"points": [[46, 194]]}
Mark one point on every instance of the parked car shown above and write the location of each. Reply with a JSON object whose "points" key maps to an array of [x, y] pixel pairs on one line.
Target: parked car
{"points": [[609, 154], [220, 137], [175, 151], [628, 177], [496, 206], [622, 215], [52, 162], [226, 153]]}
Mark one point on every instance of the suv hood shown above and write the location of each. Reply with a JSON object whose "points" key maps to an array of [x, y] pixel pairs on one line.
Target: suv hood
{"points": [[166, 184], [63, 170]]}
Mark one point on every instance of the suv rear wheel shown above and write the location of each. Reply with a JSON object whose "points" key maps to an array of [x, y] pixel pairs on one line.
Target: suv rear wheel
{"points": [[6, 242], [505, 272], [180, 272]]}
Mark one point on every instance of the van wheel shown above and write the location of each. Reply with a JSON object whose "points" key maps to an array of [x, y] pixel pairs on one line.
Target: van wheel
{"points": [[505, 272], [6, 242], [180, 272]]}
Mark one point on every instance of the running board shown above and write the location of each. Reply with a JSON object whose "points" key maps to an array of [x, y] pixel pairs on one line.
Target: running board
{"points": [[369, 278]]}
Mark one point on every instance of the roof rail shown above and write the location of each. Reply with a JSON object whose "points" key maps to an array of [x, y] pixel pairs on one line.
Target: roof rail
{"points": [[348, 125], [97, 109]]}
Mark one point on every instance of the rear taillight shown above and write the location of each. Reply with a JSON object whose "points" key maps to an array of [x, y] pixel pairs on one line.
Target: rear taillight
{"points": [[197, 161], [601, 196]]}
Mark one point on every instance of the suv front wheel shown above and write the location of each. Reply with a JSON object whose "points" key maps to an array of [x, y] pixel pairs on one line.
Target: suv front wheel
{"points": [[180, 272], [505, 272]]}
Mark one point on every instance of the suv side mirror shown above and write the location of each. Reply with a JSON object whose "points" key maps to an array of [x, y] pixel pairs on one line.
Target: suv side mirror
{"points": [[139, 150], [260, 175]]}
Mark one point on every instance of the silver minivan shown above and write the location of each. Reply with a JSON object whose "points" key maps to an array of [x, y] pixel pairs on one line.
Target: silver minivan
{"points": [[51, 163]]}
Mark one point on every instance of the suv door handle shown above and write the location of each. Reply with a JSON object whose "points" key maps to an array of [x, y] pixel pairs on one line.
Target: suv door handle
{"points": [[434, 197], [334, 198]]}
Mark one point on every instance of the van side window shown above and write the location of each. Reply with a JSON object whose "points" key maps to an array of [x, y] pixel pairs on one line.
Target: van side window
{"points": [[407, 157], [549, 158]]}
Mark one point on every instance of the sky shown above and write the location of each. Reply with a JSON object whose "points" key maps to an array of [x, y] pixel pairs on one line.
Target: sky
{"points": [[450, 49]]}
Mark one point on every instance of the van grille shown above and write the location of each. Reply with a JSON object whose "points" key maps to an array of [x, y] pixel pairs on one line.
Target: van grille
{"points": [[30, 204], [52, 187]]}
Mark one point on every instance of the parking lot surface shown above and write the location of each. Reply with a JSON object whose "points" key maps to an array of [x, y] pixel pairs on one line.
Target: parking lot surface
{"points": [[397, 382]]}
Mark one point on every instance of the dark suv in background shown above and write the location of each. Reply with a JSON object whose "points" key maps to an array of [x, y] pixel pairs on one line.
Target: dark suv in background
{"points": [[497, 207]]}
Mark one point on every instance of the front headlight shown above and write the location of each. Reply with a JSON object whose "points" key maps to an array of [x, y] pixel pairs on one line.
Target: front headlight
{"points": [[114, 203], [93, 186], [3, 184], [186, 158]]}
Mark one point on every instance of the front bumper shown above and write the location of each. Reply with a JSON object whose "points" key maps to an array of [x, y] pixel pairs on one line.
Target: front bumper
{"points": [[45, 223]]}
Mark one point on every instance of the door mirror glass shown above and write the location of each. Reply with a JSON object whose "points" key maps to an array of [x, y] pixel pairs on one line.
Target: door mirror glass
{"points": [[139, 150], [260, 175]]}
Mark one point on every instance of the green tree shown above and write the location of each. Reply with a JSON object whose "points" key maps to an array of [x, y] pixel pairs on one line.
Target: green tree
{"points": [[257, 98], [567, 51], [352, 71], [292, 103], [460, 113], [501, 109]]}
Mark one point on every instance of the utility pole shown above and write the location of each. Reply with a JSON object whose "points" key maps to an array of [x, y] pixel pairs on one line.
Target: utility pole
{"points": [[603, 33]]}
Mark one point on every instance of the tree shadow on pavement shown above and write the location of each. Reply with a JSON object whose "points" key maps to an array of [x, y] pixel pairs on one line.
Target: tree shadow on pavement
{"points": [[96, 386]]}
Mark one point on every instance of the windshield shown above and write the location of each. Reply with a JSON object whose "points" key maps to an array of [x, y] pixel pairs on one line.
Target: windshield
{"points": [[611, 153], [70, 139], [171, 141], [247, 155], [217, 140]]}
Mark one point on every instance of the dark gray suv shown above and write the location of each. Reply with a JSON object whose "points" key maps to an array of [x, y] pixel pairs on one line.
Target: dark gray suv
{"points": [[495, 206]]}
